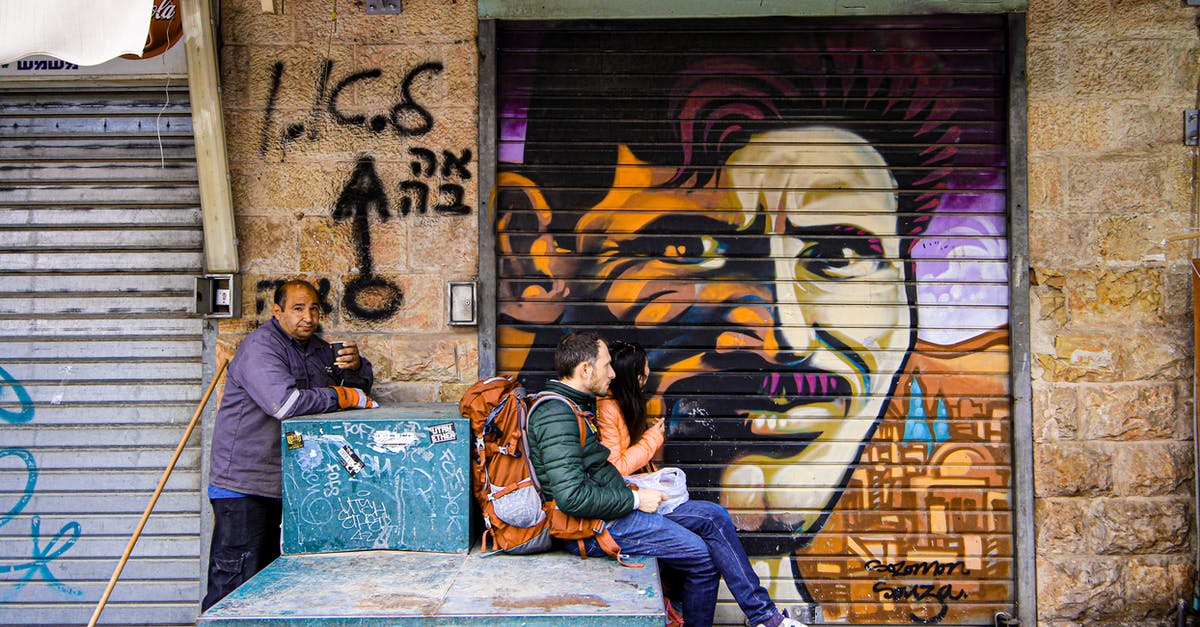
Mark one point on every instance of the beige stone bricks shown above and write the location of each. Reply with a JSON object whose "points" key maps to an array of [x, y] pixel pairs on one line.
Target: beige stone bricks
{"points": [[354, 164], [1079, 588], [1057, 468], [1111, 316], [1133, 412], [1153, 469]]}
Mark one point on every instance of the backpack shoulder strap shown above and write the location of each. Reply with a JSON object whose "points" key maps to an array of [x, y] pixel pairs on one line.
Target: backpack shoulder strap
{"points": [[579, 413]]}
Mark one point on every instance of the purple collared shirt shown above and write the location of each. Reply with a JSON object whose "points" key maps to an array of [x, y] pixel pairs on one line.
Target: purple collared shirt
{"points": [[272, 377]]}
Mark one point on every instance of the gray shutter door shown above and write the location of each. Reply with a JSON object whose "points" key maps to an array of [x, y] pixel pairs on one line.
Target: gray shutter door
{"points": [[804, 222], [100, 239]]}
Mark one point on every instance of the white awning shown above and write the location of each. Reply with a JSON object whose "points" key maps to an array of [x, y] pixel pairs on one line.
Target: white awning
{"points": [[83, 32]]}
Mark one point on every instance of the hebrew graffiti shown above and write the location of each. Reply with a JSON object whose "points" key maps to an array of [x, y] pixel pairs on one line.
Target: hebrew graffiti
{"points": [[41, 554], [414, 193], [11, 390], [365, 201], [406, 117], [805, 225], [367, 296]]}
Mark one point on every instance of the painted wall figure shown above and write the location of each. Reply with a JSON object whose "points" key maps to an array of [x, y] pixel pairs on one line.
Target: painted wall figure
{"points": [[775, 226]]}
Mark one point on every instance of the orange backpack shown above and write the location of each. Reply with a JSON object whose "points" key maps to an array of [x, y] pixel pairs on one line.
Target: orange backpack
{"points": [[516, 518]]}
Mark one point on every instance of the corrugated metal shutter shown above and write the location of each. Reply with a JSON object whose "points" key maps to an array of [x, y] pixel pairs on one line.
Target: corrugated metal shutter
{"points": [[100, 239], [804, 221]]}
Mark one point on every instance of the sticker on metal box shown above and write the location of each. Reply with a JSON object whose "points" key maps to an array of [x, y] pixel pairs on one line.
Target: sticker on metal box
{"points": [[350, 460], [442, 433], [393, 441], [294, 440]]}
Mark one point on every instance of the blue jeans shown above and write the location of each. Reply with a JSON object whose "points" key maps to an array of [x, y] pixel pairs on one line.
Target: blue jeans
{"points": [[699, 541]]}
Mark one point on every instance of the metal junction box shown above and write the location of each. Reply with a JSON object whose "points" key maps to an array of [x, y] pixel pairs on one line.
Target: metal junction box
{"points": [[394, 477]]}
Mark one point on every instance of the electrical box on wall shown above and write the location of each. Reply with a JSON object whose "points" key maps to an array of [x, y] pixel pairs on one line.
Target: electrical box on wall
{"points": [[462, 303], [384, 7], [219, 295]]}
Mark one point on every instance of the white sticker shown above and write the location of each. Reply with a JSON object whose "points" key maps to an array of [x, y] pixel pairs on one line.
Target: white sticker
{"points": [[393, 441], [350, 460]]}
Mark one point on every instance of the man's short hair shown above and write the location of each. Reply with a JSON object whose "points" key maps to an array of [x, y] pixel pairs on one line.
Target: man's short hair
{"points": [[575, 348], [281, 290]]}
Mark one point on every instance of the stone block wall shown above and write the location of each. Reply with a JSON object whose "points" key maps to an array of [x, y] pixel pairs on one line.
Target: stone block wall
{"points": [[352, 149], [1109, 179]]}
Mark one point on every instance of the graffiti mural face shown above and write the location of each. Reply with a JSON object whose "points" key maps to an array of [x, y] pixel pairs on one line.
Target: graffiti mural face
{"points": [[820, 203], [774, 226]]}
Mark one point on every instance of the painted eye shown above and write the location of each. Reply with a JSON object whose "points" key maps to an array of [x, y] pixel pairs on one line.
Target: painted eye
{"points": [[840, 260], [702, 250]]}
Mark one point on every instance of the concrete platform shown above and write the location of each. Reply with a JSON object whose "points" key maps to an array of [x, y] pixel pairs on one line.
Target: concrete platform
{"points": [[388, 588]]}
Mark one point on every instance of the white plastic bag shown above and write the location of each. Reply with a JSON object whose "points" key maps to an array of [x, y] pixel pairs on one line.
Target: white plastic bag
{"points": [[669, 481]]}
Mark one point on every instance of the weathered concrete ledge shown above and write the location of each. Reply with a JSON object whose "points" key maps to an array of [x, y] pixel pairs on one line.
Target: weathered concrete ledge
{"points": [[378, 588]]}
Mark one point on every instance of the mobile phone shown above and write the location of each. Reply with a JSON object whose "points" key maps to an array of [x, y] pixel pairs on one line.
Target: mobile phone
{"points": [[337, 347]]}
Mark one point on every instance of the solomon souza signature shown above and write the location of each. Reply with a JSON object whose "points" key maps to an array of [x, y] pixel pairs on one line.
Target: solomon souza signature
{"points": [[918, 592]]}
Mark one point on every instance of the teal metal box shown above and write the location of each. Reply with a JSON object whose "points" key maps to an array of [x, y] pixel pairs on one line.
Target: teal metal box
{"points": [[395, 477]]}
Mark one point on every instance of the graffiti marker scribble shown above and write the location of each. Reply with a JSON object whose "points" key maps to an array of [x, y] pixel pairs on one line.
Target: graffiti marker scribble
{"points": [[30, 482], [40, 556], [368, 297], [904, 568], [10, 388], [919, 592], [39, 566], [406, 117]]}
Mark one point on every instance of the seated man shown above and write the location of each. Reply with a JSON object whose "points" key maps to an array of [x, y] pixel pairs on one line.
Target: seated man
{"points": [[697, 539], [282, 369]]}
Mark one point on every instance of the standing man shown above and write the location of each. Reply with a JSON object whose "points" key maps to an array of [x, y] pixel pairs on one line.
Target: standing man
{"points": [[697, 539], [282, 369]]}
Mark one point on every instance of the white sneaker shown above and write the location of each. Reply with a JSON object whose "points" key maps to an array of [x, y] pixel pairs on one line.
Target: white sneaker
{"points": [[787, 622]]}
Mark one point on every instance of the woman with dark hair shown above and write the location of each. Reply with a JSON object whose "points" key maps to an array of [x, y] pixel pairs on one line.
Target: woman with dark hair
{"points": [[632, 442], [621, 416]]}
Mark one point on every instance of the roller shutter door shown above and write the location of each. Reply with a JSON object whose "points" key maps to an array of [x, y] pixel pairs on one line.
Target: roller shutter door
{"points": [[100, 239], [804, 221]]}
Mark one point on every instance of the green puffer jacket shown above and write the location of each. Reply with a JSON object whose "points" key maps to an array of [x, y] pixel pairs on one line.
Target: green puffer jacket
{"points": [[581, 480]]}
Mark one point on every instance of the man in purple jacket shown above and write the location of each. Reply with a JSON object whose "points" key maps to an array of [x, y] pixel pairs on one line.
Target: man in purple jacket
{"points": [[282, 369]]}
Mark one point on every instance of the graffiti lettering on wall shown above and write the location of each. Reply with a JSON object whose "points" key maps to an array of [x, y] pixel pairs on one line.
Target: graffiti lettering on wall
{"points": [[435, 183], [367, 296], [41, 555], [406, 117], [415, 193], [808, 238], [918, 592]]}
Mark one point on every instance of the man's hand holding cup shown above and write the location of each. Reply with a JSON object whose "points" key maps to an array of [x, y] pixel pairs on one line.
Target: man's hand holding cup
{"points": [[345, 355]]}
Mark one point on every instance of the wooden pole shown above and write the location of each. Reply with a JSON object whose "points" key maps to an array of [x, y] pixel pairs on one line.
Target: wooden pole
{"points": [[112, 582], [1180, 238]]}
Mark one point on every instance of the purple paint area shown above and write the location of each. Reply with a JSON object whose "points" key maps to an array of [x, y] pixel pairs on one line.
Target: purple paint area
{"points": [[962, 262], [512, 140]]}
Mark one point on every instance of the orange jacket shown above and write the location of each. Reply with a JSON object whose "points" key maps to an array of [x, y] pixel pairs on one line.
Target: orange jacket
{"points": [[615, 435]]}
